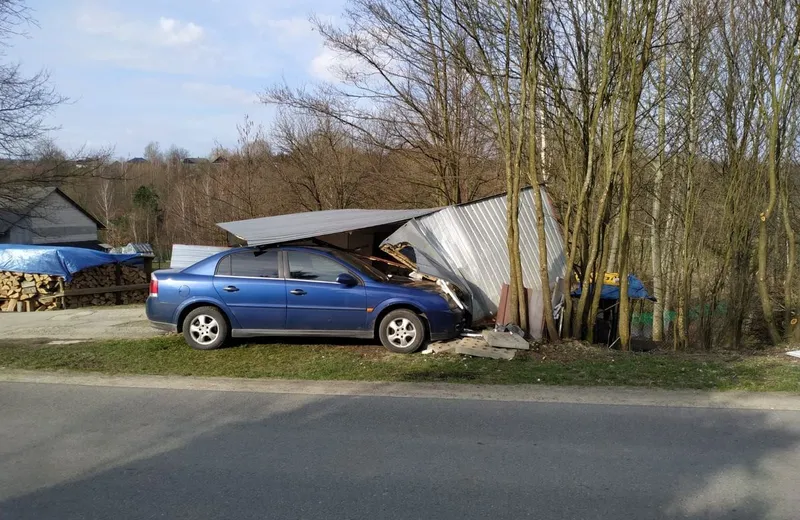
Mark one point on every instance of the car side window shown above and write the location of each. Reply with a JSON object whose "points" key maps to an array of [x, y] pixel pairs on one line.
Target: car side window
{"points": [[253, 264], [224, 266], [308, 266]]}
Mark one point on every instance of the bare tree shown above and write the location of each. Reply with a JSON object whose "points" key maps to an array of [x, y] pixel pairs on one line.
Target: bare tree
{"points": [[26, 100], [636, 46], [322, 164], [404, 90], [777, 40]]}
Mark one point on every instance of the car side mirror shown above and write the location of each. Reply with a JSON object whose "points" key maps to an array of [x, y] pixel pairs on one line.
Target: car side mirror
{"points": [[346, 279]]}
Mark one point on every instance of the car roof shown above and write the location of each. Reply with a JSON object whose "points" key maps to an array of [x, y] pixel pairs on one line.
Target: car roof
{"points": [[213, 259], [288, 247]]}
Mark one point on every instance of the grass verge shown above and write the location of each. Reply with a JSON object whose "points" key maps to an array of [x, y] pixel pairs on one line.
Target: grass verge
{"points": [[552, 365]]}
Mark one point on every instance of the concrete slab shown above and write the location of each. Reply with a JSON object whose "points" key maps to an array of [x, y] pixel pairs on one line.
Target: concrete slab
{"points": [[486, 352], [441, 347], [505, 340]]}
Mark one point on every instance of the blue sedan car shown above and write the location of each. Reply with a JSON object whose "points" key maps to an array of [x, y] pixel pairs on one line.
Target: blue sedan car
{"points": [[298, 291]]}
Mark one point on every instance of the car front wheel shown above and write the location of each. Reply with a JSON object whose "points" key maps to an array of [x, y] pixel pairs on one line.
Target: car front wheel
{"points": [[402, 331], [205, 328]]}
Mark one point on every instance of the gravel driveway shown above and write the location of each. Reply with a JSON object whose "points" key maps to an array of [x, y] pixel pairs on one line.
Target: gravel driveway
{"points": [[88, 323]]}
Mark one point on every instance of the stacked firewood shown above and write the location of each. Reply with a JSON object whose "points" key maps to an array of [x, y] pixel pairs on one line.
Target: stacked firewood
{"points": [[26, 291], [40, 292]]}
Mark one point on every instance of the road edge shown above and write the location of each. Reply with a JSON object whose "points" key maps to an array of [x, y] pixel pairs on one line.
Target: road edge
{"points": [[618, 396]]}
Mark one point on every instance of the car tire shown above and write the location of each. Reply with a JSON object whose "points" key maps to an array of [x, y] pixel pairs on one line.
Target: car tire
{"points": [[402, 331], [205, 328]]}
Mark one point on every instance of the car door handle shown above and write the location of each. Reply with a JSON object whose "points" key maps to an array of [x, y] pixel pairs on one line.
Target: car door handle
{"points": [[298, 292], [230, 288]]}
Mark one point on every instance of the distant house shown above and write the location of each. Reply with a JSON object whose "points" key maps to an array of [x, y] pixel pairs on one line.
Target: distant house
{"points": [[221, 160], [137, 160], [133, 248], [46, 216], [196, 160], [86, 163]]}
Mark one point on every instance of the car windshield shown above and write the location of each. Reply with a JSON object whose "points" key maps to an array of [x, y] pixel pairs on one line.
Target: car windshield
{"points": [[362, 265]]}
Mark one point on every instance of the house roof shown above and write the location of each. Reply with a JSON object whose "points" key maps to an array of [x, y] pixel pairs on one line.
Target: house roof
{"points": [[13, 209], [299, 226], [195, 160]]}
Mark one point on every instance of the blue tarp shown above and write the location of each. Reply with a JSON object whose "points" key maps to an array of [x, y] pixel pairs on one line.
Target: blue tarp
{"points": [[636, 291], [55, 260]]}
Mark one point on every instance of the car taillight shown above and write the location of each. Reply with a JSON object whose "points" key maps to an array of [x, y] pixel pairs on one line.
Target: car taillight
{"points": [[153, 286]]}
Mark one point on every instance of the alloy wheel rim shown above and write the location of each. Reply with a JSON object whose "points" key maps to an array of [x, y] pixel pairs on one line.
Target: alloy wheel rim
{"points": [[204, 329], [401, 332]]}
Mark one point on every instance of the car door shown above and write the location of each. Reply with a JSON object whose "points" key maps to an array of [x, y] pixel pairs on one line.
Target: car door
{"points": [[249, 283], [315, 302]]}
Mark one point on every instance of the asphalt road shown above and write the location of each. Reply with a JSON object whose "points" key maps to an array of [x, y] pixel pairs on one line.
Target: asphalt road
{"points": [[73, 452]]}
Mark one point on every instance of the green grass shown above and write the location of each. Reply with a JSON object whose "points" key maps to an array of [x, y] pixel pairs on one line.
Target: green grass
{"points": [[557, 365]]}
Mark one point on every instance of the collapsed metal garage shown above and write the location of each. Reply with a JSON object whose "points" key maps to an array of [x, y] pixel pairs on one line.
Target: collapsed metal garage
{"points": [[463, 244]]}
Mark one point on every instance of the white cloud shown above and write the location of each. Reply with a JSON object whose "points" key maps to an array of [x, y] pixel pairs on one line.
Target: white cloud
{"points": [[175, 32], [323, 66], [159, 44], [219, 94], [161, 32], [330, 65], [294, 28]]}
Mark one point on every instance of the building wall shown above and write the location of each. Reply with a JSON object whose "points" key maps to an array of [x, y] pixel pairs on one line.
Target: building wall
{"points": [[54, 221], [20, 233]]}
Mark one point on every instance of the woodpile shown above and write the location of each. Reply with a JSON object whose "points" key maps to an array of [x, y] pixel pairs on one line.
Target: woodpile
{"points": [[103, 285]]}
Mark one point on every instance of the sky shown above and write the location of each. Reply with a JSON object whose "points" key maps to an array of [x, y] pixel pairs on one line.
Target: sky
{"points": [[182, 72]]}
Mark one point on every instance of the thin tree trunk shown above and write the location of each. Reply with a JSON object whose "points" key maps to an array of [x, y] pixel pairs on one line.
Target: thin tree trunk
{"points": [[594, 308], [591, 270], [791, 259], [614, 247], [599, 101], [766, 215], [639, 60], [655, 228]]}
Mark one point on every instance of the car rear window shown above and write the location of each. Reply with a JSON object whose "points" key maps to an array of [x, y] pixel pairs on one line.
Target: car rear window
{"points": [[253, 264]]}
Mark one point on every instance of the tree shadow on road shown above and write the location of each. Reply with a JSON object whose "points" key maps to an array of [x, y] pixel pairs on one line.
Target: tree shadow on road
{"points": [[316, 457]]}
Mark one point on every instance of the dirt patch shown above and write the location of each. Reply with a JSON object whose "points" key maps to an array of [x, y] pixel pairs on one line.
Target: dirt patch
{"points": [[93, 323]]}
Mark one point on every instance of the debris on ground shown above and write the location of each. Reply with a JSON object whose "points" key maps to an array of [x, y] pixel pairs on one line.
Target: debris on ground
{"points": [[488, 344], [794, 353], [440, 347], [511, 329], [506, 340], [479, 349]]}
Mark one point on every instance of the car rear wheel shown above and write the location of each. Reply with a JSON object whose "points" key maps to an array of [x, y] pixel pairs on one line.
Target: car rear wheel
{"points": [[402, 331], [205, 328]]}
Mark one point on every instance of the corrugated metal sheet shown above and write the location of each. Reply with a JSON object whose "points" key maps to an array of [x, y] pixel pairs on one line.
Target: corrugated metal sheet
{"points": [[299, 226], [185, 255], [470, 240], [134, 248]]}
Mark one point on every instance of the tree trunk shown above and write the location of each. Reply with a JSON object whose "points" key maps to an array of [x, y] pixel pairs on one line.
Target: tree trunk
{"points": [[655, 227], [614, 247], [594, 308], [791, 259], [764, 218], [591, 270]]}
